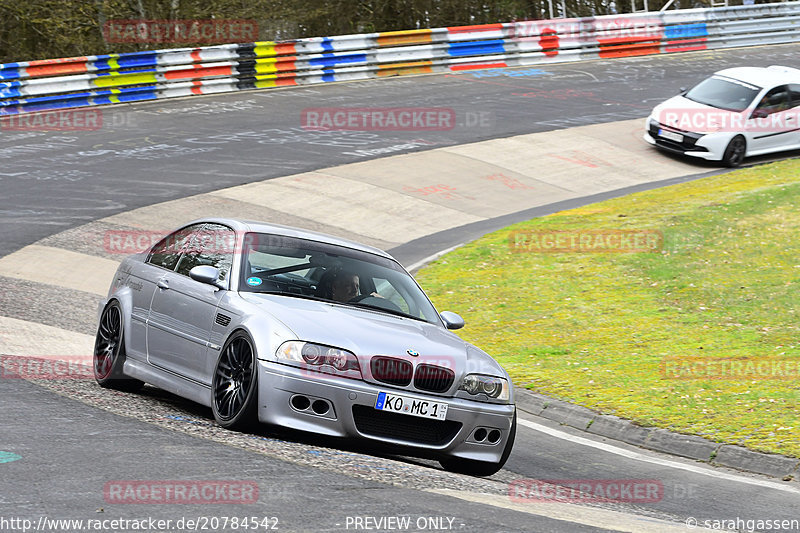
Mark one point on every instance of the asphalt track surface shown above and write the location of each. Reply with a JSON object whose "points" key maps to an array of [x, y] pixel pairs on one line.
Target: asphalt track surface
{"points": [[154, 152]]}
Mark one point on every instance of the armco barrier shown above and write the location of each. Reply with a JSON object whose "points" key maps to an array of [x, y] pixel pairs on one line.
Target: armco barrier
{"points": [[114, 78]]}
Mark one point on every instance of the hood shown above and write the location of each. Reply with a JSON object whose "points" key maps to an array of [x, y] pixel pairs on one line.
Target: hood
{"points": [[364, 332], [687, 115], [369, 333]]}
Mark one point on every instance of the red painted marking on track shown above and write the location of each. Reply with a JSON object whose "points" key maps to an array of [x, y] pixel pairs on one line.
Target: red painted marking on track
{"points": [[581, 158]]}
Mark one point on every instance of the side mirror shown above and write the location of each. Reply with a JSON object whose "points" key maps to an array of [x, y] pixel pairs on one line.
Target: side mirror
{"points": [[759, 113], [206, 274], [451, 320]]}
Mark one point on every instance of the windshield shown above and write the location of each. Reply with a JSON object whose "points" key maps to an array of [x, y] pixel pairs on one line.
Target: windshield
{"points": [[308, 269], [723, 93]]}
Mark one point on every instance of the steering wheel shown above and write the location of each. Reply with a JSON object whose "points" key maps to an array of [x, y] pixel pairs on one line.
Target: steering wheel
{"points": [[358, 298]]}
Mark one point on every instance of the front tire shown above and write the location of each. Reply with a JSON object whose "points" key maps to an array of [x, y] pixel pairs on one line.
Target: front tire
{"points": [[734, 152], [109, 352], [235, 384], [471, 467]]}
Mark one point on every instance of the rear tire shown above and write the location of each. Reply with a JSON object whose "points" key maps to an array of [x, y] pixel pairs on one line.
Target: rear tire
{"points": [[471, 467], [109, 352], [734, 152], [235, 384]]}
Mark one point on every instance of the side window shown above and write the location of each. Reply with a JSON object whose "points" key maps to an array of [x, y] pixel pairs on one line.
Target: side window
{"points": [[794, 95], [775, 100], [167, 251], [211, 244]]}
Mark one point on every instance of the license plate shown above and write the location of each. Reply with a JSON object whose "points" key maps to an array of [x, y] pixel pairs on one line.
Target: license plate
{"points": [[410, 406], [672, 136]]}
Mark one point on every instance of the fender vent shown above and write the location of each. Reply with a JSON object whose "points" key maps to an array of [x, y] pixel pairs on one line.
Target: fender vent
{"points": [[222, 320]]}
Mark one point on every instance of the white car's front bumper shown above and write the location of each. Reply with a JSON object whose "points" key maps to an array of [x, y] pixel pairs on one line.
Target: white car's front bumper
{"points": [[709, 146]]}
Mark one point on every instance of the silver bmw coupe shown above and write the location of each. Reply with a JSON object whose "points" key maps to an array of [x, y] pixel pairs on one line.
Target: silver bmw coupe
{"points": [[271, 324]]}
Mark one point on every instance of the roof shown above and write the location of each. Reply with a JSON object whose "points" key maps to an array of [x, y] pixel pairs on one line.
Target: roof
{"points": [[763, 76], [289, 231]]}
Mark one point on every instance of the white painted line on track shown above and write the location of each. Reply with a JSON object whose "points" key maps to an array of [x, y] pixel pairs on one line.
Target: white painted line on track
{"points": [[432, 257], [630, 454]]}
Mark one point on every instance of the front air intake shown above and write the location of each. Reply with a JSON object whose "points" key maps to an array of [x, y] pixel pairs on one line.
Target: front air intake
{"points": [[392, 371]]}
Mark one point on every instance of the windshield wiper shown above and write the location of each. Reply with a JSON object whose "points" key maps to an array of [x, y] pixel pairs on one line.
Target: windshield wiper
{"points": [[354, 304], [385, 310], [292, 294]]}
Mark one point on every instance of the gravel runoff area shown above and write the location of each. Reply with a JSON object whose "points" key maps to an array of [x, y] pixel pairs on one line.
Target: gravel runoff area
{"points": [[165, 410]]}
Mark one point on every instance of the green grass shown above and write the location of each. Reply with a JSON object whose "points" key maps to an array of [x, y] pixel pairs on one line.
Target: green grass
{"points": [[594, 329]]}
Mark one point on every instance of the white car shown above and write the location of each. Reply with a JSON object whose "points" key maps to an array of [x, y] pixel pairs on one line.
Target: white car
{"points": [[736, 113]]}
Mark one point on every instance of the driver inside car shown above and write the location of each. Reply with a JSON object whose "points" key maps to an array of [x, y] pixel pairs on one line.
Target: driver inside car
{"points": [[345, 286], [342, 286]]}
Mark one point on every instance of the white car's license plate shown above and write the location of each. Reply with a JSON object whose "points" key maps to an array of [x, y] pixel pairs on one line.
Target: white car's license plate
{"points": [[672, 136], [410, 406]]}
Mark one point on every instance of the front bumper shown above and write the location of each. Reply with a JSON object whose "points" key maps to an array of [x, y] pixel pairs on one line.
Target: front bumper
{"points": [[704, 146], [351, 414]]}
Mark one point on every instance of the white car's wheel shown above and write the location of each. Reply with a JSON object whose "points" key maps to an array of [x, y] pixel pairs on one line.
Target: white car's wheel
{"points": [[734, 152]]}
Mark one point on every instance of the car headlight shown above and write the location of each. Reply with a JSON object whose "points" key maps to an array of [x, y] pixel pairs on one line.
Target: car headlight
{"points": [[493, 387], [319, 358]]}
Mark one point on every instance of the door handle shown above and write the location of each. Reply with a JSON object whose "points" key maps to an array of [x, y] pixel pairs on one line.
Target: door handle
{"points": [[163, 283]]}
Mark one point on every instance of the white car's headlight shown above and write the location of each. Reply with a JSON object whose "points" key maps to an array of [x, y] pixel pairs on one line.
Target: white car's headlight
{"points": [[493, 387], [319, 358]]}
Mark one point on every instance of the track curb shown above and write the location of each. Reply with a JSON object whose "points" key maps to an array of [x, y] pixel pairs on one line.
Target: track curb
{"points": [[657, 439]]}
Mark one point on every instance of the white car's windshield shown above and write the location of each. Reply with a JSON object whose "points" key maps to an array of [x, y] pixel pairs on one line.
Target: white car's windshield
{"points": [[723, 93], [308, 269]]}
